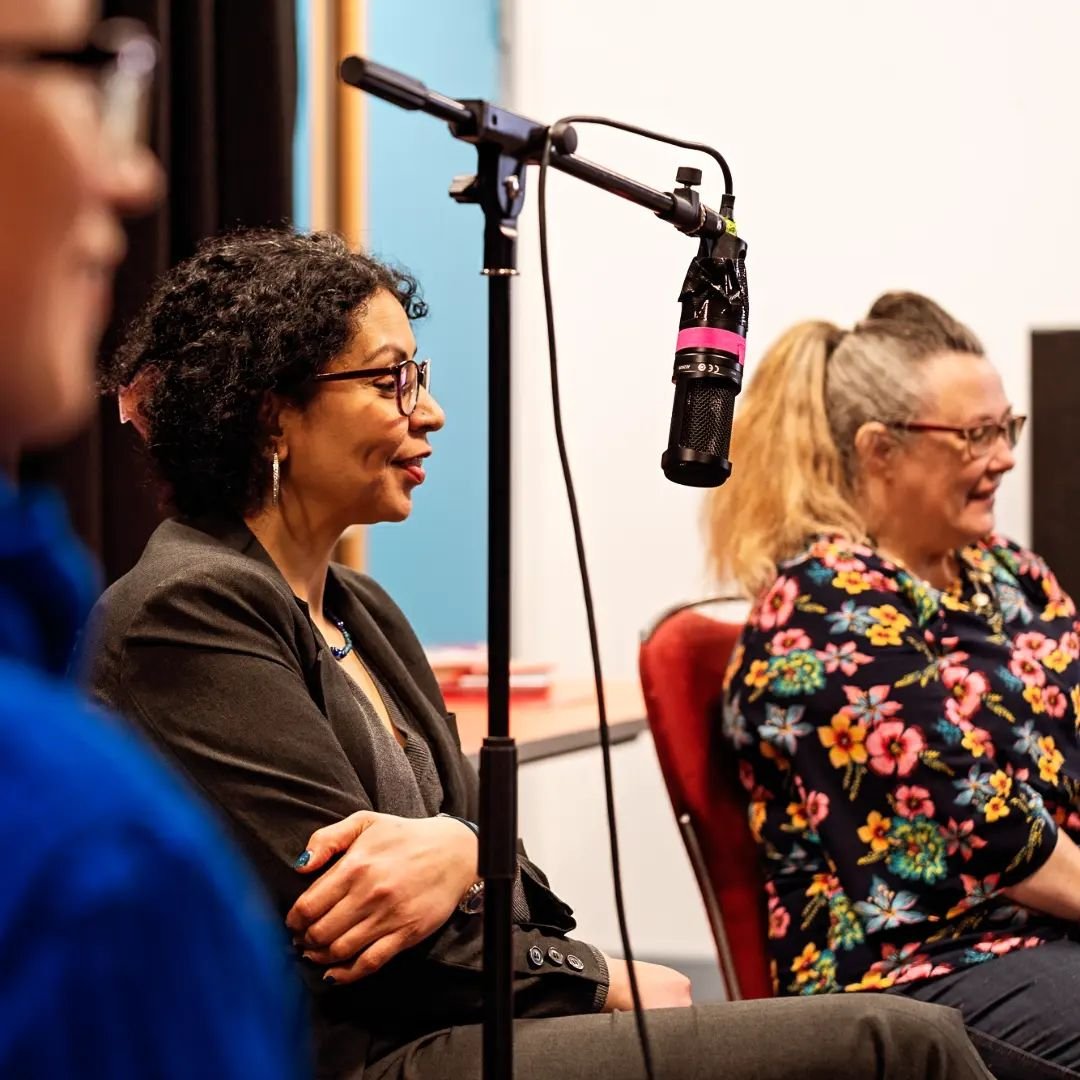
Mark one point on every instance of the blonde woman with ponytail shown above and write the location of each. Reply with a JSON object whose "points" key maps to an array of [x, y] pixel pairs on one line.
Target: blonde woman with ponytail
{"points": [[905, 697]]}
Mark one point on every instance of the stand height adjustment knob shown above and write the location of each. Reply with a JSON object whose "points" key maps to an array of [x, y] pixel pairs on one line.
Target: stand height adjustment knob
{"points": [[465, 189]]}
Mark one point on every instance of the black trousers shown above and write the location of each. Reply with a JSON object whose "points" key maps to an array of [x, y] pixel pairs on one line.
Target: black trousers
{"points": [[1022, 1010], [839, 1037]]}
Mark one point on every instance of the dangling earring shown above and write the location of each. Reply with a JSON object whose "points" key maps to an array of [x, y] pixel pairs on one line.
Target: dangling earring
{"points": [[276, 469]]}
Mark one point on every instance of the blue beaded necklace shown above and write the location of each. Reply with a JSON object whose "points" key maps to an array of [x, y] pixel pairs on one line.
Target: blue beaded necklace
{"points": [[340, 652]]}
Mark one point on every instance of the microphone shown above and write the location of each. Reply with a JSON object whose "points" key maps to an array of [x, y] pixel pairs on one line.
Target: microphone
{"points": [[709, 354]]}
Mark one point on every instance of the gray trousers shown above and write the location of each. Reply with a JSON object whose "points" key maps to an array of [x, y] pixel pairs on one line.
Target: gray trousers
{"points": [[1022, 1010], [837, 1037]]}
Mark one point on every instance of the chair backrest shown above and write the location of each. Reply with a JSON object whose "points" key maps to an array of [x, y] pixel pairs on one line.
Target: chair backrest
{"points": [[682, 662]]}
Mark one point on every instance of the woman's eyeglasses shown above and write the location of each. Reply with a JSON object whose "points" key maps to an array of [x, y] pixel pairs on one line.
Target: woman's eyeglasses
{"points": [[409, 377], [980, 439], [120, 57]]}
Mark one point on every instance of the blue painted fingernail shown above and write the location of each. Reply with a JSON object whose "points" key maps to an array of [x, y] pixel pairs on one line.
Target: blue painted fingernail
{"points": [[303, 859], [329, 980]]}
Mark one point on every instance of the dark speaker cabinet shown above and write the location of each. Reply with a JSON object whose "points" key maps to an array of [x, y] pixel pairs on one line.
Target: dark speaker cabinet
{"points": [[1055, 470]]}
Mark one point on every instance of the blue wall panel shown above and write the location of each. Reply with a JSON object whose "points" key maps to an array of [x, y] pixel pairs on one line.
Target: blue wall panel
{"points": [[435, 563]]}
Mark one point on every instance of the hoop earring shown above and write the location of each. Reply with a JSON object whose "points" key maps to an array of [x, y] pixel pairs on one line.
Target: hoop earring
{"points": [[276, 470]]}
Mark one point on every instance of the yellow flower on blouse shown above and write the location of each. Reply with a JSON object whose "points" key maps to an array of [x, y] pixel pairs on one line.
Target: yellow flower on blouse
{"points": [[887, 615], [844, 741], [876, 831], [883, 635], [1051, 759], [802, 967], [1058, 605], [872, 980], [952, 602], [889, 626], [735, 663], [757, 818], [1001, 782], [851, 581], [1033, 695], [996, 808], [1056, 661], [975, 742], [758, 675]]}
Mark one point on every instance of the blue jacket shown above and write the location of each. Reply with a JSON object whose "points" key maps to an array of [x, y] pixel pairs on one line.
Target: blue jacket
{"points": [[133, 943]]}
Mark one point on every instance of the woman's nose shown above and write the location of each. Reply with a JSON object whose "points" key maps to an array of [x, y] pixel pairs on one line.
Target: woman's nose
{"points": [[428, 414], [132, 183]]}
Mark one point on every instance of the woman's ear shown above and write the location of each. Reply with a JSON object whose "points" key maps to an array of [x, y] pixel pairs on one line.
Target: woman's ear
{"points": [[275, 417], [875, 448]]}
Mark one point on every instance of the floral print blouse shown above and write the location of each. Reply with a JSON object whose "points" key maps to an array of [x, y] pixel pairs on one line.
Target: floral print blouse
{"points": [[908, 754]]}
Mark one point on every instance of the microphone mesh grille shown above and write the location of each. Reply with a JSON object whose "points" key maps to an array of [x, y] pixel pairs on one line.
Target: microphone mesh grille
{"points": [[707, 419]]}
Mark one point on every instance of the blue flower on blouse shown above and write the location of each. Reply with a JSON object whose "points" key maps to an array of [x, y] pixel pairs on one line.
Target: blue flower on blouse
{"points": [[1013, 604], [850, 619], [974, 788], [782, 727], [886, 909], [949, 732], [1012, 681], [1025, 738], [734, 726]]}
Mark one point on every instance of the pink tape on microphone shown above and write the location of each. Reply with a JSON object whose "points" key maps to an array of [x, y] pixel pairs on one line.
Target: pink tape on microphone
{"points": [[709, 337]]}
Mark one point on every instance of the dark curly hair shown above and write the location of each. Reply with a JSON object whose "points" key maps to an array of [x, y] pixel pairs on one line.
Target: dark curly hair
{"points": [[251, 312]]}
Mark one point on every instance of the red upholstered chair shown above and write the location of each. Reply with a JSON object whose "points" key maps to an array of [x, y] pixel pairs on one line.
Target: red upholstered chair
{"points": [[682, 663]]}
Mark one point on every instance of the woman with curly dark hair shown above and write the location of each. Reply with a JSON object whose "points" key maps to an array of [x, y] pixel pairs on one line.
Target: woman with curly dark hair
{"points": [[273, 377]]}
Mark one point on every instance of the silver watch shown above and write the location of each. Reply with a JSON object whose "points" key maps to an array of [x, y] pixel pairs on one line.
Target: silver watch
{"points": [[472, 903]]}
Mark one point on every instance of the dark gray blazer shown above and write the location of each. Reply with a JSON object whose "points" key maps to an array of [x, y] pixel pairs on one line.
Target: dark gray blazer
{"points": [[205, 648]]}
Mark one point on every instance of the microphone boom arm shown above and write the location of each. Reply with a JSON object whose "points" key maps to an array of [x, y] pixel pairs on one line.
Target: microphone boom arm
{"points": [[523, 139]]}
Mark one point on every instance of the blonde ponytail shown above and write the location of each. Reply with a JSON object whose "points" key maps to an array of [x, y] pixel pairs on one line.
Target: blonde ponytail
{"points": [[788, 481]]}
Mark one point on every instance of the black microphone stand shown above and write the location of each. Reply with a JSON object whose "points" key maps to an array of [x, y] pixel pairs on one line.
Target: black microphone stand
{"points": [[506, 143]]}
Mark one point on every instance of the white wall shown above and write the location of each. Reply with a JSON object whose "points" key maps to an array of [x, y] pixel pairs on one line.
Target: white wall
{"points": [[925, 145], [563, 821]]}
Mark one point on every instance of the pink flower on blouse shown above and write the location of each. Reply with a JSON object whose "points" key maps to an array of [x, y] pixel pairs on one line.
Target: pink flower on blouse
{"points": [[779, 919], [960, 838], [746, 774], [894, 748], [1054, 701], [1026, 667], [837, 556], [778, 603], [1039, 645], [967, 689], [1006, 945], [786, 641], [843, 658], [912, 801], [817, 807], [924, 970]]}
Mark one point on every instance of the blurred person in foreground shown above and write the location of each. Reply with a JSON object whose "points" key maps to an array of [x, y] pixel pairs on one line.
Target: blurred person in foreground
{"points": [[131, 943], [275, 379], [905, 698]]}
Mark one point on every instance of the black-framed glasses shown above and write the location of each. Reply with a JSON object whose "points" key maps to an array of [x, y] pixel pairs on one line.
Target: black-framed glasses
{"points": [[979, 439], [410, 377], [120, 57]]}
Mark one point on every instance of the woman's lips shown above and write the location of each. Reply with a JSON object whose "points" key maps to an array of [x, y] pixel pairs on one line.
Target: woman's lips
{"points": [[412, 467]]}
